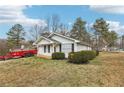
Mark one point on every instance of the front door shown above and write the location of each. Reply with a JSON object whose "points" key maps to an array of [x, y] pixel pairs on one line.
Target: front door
{"points": [[60, 48], [72, 47]]}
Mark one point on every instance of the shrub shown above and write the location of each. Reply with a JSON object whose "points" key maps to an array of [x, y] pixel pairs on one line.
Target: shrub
{"points": [[97, 52], [81, 56], [3, 51], [77, 57], [90, 54], [58, 55]]}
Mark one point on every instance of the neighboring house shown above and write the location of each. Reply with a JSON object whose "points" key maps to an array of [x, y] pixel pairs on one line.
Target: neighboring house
{"points": [[59, 43]]}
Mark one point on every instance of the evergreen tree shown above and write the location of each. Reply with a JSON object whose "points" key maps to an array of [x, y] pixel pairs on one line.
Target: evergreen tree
{"points": [[102, 30], [123, 42], [15, 36], [112, 36], [79, 31], [101, 27]]}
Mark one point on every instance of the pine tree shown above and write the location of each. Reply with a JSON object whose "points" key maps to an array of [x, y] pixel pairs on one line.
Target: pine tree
{"points": [[15, 36], [101, 27], [112, 36], [102, 30], [79, 30]]}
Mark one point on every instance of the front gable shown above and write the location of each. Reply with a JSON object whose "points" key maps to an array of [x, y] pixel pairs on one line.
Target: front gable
{"points": [[61, 39], [55, 38], [43, 42]]}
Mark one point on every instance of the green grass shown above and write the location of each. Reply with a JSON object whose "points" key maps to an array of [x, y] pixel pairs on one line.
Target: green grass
{"points": [[105, 70]]}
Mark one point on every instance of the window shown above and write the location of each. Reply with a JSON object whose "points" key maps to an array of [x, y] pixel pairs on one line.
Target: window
{"points": [[48, 48], [60, 49], [72, 47], [45, 49]]}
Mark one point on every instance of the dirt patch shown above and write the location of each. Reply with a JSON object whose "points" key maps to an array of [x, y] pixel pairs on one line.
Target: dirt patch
{"points": [[2, 62]]}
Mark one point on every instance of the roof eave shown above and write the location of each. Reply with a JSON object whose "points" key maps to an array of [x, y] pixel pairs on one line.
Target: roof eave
{"points": [[77, 41], [64, 37], [36, 42]]}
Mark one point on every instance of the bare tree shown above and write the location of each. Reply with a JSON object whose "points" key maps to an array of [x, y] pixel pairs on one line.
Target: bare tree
{"points": [[3, 47], [48, 22], [63, 29], [55, 23], [35, 32]]}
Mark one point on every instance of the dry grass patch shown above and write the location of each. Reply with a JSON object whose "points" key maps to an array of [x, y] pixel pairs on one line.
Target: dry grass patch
{"points": [[106, 70]]}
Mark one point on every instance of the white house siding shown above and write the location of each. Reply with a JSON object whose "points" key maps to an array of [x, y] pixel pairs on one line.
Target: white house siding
{"points": [[44, 42], [82, 47], [57, 48], [41, 50], [89, 48], [66, 45], [61, 39], [40, 47], [75, 47], [67, 48]]}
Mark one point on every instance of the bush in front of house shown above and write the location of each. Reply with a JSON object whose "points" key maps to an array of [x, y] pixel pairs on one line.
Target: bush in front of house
{"points": [[58, 55], [77, 57], [90, 54], [97, 52], [81, 56]]}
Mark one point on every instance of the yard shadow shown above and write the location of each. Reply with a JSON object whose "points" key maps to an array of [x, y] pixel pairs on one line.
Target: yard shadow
{"points": [[83, 63]]}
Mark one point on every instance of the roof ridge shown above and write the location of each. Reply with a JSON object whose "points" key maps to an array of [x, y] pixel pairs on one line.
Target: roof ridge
{"points": [[63, 36]]}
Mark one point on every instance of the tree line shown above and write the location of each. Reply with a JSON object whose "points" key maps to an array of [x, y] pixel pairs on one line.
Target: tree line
{"points": [[97, 36]]}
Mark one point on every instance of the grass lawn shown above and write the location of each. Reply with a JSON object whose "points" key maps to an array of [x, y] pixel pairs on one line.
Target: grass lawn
{"points": [[105, 70]]}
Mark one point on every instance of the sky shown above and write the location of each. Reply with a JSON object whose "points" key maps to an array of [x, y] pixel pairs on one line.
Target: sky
{"points": [[28, 16]]}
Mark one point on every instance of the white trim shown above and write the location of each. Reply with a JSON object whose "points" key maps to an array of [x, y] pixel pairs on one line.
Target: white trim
{"points": [[63, 36], [47, 38], [38, 40]]}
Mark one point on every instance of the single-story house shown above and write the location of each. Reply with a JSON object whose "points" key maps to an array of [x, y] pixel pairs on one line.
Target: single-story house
{"points": [[59, 43]]}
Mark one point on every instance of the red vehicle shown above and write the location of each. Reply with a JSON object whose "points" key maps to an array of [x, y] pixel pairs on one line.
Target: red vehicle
{"points": [[19, 54]]}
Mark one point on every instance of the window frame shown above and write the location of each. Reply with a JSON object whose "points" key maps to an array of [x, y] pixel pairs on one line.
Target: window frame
{"points": [[44, 48], [72, 47], [48, 48], [60, 48]]}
